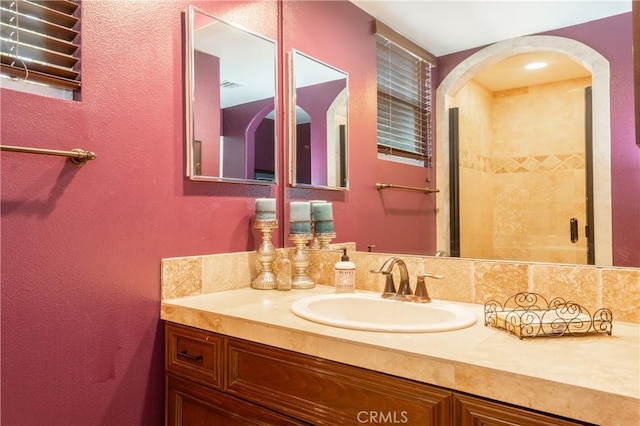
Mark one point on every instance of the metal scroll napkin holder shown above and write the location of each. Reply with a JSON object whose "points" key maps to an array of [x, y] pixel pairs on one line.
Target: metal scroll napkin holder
{"points": [[530, 315]]}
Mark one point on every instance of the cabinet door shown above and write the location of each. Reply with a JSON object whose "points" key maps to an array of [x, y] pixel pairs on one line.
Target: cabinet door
{"points": [[325, 392], [190, 404], [470, 411]]}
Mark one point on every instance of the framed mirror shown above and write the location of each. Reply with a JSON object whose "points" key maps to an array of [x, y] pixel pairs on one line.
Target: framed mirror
{"points": [[230, 87], [319, 125]]}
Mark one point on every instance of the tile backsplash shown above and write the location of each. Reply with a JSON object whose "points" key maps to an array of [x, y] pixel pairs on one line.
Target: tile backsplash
{"points": [[465, 280]]}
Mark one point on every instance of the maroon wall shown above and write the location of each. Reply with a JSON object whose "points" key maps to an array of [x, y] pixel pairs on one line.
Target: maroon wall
{"points": [[81, 247], [612, 38]]}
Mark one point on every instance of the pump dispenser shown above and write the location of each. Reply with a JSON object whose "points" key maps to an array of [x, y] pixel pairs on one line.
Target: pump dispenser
{"points": [[345, 274]]}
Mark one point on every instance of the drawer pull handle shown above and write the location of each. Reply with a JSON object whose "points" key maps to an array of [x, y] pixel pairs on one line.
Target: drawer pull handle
{"points": [[188, 356]]}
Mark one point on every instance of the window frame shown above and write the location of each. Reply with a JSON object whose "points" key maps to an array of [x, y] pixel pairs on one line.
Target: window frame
{"points": [[421, 126], [41, 42]]}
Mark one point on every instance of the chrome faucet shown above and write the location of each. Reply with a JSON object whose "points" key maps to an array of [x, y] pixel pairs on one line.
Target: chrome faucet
{"points": [[404, 292]]}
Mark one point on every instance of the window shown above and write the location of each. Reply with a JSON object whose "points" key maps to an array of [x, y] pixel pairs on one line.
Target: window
{"points": [[404, 97], [40, 41]]}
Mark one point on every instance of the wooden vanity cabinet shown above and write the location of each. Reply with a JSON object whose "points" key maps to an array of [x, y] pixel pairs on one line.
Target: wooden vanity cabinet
{"points": [[219, 380], [213, 379]]}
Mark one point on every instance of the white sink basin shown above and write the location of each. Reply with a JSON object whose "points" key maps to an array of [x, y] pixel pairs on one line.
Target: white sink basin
{"points": [[364, 311]]}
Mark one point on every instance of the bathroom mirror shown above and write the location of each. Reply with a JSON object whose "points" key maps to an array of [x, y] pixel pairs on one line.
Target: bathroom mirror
{"points": [[602, 186], [319, 128], [230, 86]]}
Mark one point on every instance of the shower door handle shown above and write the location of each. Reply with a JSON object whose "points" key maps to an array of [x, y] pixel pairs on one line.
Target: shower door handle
{"points": [[573, 229]]}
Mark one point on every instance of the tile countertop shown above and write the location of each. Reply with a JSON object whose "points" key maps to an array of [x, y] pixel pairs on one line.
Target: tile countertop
{"points": [[590, 378]]}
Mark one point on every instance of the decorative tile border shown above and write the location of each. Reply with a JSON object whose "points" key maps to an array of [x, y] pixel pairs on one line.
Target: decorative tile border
{"points": [[534, 163]]}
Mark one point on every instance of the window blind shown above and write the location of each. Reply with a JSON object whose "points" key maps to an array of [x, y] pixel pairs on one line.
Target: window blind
{"points": [[404, 100], [40, 41]]}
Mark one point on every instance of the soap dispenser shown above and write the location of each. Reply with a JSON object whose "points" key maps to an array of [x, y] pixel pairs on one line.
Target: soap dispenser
{"points": [[345, 274]]}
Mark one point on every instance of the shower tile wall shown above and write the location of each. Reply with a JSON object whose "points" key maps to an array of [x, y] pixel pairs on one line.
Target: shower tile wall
{"points": [[522, 171]]}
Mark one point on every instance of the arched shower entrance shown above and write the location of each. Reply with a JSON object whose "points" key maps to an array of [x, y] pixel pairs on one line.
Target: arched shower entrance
{"points": [[599, 68]]}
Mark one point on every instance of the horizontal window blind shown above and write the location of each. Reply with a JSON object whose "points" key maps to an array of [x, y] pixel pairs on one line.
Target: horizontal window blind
{"points": [[404, 101], [40, 41]]}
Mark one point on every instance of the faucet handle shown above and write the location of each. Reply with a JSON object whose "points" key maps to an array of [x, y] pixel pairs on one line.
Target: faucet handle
{"points": [[427, 275], [421, 294]]}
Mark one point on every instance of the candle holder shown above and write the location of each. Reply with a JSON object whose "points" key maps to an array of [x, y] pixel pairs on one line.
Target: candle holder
{"points": [[315, 243], [324, 239], [300, 262], [266, 255]]}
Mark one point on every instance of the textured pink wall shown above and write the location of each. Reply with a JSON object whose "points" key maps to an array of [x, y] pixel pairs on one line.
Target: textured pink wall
{"points": [[81, 247], [612, 38]]}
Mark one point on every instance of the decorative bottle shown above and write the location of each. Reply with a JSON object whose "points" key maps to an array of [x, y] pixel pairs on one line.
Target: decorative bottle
{"points": [[283, 277]]}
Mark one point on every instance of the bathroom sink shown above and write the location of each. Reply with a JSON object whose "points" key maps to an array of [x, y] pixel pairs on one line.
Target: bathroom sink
{"points": [[364, 311]]}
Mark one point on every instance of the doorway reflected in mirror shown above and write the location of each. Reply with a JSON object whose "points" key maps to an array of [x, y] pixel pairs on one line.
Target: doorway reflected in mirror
{"points": [[321, 121]]}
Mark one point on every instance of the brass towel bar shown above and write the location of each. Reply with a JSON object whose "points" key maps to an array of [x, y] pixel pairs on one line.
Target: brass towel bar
{"points": [[380, 186], [77, 156]]}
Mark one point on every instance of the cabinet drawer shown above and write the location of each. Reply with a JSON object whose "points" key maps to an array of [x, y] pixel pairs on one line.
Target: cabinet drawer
{"points": [[194, 354], [325, 392]]}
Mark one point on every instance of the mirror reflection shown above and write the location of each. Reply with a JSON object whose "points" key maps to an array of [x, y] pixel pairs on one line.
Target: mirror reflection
{"points": [[549, 164], [230, 85], [519, 166], [550, 179], [320, 124]]}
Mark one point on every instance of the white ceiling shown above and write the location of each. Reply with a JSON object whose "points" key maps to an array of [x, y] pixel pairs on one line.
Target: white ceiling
{"points": [[247, 61], [441, 27], [449, 26]]}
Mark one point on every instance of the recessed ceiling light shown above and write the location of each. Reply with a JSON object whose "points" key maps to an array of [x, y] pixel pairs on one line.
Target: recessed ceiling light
{"points": [[535, 65]]}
